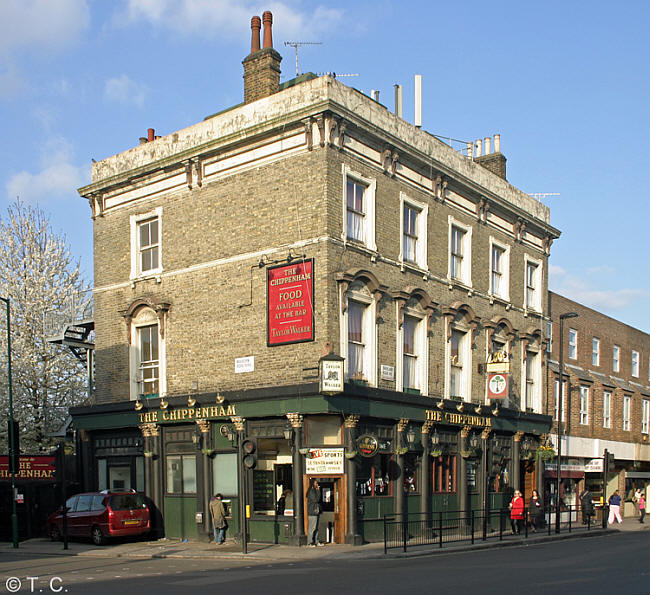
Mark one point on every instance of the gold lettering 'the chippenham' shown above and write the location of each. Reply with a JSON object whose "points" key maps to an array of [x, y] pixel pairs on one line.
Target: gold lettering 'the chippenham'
{"points": [[188, 413], [459, 419]]}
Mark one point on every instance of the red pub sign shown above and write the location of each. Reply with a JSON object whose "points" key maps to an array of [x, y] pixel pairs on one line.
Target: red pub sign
{"points": [[290, 299], [38, 467]]}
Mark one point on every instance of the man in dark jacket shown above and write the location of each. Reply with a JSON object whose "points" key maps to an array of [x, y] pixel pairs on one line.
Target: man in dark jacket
{"points": [[313, 513], [587, 505]]}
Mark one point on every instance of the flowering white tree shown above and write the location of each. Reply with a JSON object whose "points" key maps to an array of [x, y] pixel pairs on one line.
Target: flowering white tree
{"points": [[37, 274]]}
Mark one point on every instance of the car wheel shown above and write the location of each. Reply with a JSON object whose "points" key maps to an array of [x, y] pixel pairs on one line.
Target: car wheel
{"points": [[55, 533], [97, 536]]}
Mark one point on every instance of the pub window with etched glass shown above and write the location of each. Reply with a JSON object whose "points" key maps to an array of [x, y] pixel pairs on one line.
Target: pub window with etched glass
{"points": [[181, 474], [374, 476], [444, 474]]}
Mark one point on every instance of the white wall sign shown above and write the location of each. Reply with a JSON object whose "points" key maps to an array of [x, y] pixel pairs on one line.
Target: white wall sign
{"points": [[244, 364], [322, 461], [388, 373], [331, 376]]}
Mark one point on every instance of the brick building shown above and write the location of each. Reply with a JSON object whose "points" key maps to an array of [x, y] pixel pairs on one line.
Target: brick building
{"points": [[607, 397], [309, 221]]}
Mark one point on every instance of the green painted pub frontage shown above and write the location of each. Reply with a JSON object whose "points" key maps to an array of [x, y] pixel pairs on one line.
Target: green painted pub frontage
{"points": [[376, 453]]}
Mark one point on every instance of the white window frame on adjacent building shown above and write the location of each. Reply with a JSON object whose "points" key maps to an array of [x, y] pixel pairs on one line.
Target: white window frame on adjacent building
{"points": [[413, 228], [635, 363], [595, 352], [366, 236], [366, 340], [645, 416], [584, 405], [143, 372], [549, 335], [140, 227], [627, 406], [607, 409], [556, 397], [499, 270], [415, 358], [460, 253], [573, 344], [616, 358], [532, 284], [459, 365]]}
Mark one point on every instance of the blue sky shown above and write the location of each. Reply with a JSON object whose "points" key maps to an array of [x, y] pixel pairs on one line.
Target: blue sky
{"points": [[565, 83]]}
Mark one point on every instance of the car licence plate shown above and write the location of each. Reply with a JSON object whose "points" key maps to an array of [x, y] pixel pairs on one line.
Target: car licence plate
{"points": [[132, 522]]}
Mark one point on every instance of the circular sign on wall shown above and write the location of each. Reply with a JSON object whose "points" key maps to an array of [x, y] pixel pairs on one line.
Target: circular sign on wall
{"points": [[497, 386], [367, 445]]}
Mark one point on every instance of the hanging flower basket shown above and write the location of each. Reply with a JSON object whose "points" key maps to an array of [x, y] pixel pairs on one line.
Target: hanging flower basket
{"points": [[546, 453], [436, 452], [148, 454], [402, 450]]}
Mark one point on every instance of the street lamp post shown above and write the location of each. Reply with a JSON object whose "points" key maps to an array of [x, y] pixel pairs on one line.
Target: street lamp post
{"points": [[12, 430], [560, 392]]}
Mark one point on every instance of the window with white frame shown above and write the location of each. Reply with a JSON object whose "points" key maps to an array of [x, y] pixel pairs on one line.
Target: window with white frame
{"points": [[146, 243], [584, 405], [460, 252], [627, 402], [549, 336], [533, 284], [649, 369], [573, 343], [645, 416], [414, 231], [607, 409], [533, 372], [358, 330], [616, 358], [635, 364], [595, 352], [147, 356], [358, 208], [557, 399], [499, 270], [459, 365], [414, 354]]}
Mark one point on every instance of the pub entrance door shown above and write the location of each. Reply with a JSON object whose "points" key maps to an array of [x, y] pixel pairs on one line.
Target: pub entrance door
{"points": [[333, 519]]}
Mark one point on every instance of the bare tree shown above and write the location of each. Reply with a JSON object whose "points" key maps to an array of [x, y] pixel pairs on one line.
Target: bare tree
{"points": [[37, 274]]}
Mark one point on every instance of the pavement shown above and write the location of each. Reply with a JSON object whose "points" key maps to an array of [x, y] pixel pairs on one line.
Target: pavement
{"points": [[270, 553]]}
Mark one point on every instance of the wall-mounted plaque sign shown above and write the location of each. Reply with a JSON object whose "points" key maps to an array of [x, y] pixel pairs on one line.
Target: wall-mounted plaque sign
{"points": [[367, 445], [497, 386], [324, 460], [290, 301]]}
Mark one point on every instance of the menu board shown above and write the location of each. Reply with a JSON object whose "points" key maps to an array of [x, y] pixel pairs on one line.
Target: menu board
{"points": [[263, 496]]}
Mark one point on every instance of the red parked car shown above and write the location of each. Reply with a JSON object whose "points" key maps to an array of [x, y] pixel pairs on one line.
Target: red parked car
{"points": [[101, 515]]}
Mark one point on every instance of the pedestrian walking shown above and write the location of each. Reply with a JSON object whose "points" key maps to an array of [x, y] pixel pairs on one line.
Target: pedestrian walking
{"points": [[219, 524], [635, 500], [535, 511], [516, 507], [587, 506], [615, 508], [641, 507], [313, 513]]}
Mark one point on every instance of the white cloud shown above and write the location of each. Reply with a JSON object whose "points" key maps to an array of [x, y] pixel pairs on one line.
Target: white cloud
{"points": [[229, 18], [582, 291], [126, 91], [57, 178], [38, 24], [11, 82]]}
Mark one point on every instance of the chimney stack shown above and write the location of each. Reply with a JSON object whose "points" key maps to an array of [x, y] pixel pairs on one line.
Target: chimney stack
{"points": [[494, 162], [261, 66]]}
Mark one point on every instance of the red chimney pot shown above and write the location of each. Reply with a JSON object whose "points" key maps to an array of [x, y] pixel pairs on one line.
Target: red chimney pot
{"points": [[150, 134], [256, 25], [267, 17]]}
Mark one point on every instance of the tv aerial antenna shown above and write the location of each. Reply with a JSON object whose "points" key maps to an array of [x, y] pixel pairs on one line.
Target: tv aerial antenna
{"points": [[296, 44], [336, 75], [543, 195]]}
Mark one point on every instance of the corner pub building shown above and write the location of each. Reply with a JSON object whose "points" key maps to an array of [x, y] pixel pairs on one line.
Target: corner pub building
{"points": [[306, 227]]}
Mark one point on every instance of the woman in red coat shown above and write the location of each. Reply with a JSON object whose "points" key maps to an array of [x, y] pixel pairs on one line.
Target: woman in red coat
{"points": [[517, 508]]}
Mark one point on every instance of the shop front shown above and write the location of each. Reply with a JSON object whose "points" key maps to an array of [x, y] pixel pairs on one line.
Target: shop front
{"points": [[376, 453]]}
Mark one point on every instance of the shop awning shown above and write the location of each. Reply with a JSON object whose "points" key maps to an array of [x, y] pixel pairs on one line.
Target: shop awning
{"points": [[637, 474], [565, 474]]}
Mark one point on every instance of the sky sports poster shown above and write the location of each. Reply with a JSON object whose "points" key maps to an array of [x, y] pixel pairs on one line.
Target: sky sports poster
{"points": [[290, 300]]}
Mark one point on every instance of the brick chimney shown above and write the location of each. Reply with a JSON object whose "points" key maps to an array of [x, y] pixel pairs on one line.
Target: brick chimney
{"points": [[494, 162], [261, 66]]}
